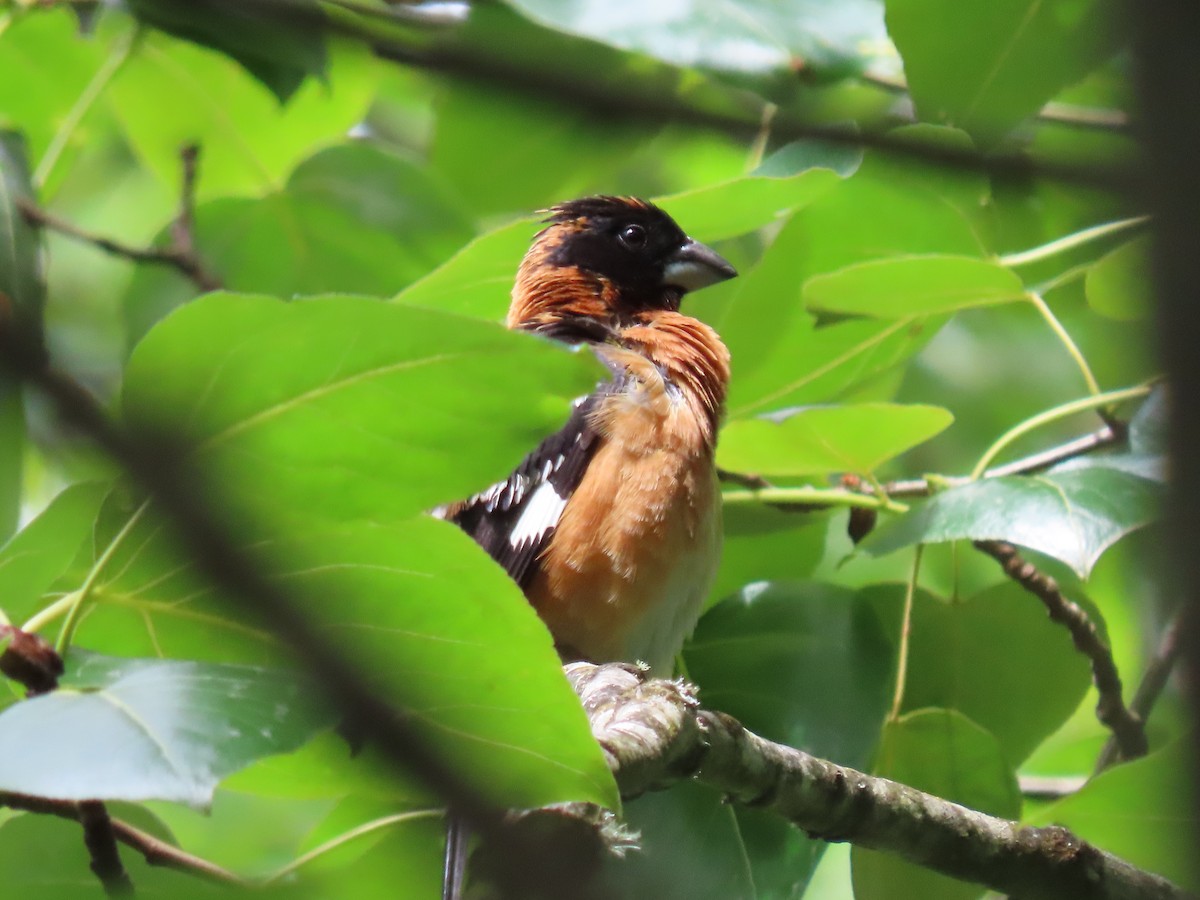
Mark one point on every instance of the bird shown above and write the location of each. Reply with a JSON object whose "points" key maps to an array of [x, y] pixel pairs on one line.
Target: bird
{"points": [[612, 525]]}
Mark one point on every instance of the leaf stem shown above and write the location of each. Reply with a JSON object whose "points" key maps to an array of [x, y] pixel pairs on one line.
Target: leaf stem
{"points": [[347, 837], [905, 631], [1070, 242], [1052, 415], [811, 495], [1056, 326], [83, 105], [80, 597]]}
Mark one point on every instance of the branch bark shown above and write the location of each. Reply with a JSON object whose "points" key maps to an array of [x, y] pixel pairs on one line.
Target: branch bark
{"points": [[654, 733], [1127, 728]]}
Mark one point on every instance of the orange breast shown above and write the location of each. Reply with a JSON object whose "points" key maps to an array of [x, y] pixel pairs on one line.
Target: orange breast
{"points": [[638, 544]]}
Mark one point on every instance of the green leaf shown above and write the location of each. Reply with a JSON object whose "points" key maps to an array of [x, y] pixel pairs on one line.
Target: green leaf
{"points": [[943, 753], [44, 549], [1143, 811], [171, 93], [912, 286], [1118, 286], [1072, 513], [960, 656], [817, 440], [765, 544], [807, 664], [278, 45], [156, 729], [1006, 60], [756, 37], [350, 407], [12, 457], [353, 218], [430, 618]]}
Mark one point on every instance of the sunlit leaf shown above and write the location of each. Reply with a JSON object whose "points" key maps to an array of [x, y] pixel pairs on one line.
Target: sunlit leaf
{"points": [[157, 729], [912, 286], [43, 549], [820, 439]]}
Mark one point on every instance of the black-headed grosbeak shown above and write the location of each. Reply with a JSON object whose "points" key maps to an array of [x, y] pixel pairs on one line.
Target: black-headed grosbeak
{"points": [[612, 526]]}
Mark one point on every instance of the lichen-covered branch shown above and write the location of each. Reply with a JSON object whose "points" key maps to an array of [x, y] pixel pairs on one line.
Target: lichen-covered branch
{"points": [[654, 733], [1127, 728]]}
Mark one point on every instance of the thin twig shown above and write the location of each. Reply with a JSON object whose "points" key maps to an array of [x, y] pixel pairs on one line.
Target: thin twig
{"points": [[1154, 679], [180, 254], [101, 843], [156, 852], [1126, 726]]}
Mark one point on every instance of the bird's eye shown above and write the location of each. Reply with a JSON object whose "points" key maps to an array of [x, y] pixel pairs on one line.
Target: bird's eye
{"points": [[633, 237]]}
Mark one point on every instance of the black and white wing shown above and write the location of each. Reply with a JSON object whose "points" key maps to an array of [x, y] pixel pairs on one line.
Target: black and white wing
{"points": [[514, 519]]}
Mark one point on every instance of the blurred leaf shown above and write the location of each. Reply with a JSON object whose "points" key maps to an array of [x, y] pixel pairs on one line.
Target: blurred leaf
{"points": [[1006, 60], [1118, 286], [157, 729], [1148, 427], [755, 37], [821, 439], [349, 407], [170, 94], [961, 657], [43, 549], [353, 218], [944, 753], [806, 664], [765, 544], [912, 286], [279, 44], [22, 297], [1072, 513], [796, 157], [1143, 811]]}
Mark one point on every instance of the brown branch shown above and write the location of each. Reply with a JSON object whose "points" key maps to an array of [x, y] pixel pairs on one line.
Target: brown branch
{"points": [[1127, 728], [653, 734], [180, 254], [156, 852], [1154, 679], [101, 843]]}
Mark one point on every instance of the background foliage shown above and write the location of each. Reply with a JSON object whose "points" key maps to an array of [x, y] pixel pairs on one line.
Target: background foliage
{"points": [[367, 177]]}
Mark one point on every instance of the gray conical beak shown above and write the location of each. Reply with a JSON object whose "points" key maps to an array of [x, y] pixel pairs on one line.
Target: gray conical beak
{"points": [[694, 266]]}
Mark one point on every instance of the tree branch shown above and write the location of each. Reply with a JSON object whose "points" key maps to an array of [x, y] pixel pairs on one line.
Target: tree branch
{"points": [[101, 842], [654, 733], [1126, 726], [156, 852], [180, 254]]}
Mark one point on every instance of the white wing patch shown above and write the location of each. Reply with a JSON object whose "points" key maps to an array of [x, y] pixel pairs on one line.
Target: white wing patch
{"points": [[541, 513]]}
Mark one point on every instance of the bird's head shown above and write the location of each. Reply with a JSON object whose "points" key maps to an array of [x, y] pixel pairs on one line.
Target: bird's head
{"points": [[602, 260]]}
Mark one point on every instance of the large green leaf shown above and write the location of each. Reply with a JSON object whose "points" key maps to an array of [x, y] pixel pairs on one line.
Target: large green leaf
{"points": [[759, 36], [1143, 811], [1005, 58], [816, 440], [43, 549], [353, 218], [912, 286], [1073, 512], [22, 296], [348, 407], [943, 753], [960, 656], [279, 45], [765, 544], [171, 93], [156, 729]]}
